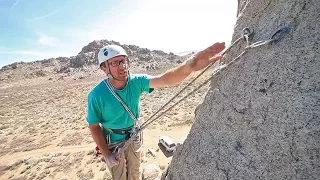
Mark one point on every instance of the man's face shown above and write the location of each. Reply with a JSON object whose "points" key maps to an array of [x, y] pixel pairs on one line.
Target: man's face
{"points": [[118, 67]]}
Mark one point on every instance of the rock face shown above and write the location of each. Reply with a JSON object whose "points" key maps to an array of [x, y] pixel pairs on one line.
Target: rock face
{"points": [[261, 117]]}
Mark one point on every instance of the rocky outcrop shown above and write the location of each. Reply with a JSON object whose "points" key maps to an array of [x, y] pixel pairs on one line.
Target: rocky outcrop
{"points": [[261, 117], [141, 59], [82, 59], [136, 54], [12, 66]]}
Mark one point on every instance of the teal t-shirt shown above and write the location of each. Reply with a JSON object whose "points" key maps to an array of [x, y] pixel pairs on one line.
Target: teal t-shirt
{"points": [[105, 109]]}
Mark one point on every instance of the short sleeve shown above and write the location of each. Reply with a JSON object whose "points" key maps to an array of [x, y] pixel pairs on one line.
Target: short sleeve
{"points": [[94, 115], [144, 82]]}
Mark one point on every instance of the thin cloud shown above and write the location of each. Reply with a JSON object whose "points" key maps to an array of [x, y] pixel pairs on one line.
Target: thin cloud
{"points": [[44, 16], [17, 1], [48, 40]]}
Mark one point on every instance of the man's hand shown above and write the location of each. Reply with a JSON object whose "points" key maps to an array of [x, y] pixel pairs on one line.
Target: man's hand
{"points": [[99, 139], [112, 160], [199, 61], [203, 58]]}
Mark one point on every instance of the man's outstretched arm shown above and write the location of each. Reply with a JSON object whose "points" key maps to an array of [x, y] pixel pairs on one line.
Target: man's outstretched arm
{"points": [[197, 62]]}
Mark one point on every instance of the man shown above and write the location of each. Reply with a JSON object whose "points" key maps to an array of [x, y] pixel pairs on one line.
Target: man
{"points": [[105, 110]]}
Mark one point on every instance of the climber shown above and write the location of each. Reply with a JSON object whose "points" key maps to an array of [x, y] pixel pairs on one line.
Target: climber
{"points": [[110, 122]]}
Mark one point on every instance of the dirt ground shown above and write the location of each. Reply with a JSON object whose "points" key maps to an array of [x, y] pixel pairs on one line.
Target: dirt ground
{"points": [[44, 135]]}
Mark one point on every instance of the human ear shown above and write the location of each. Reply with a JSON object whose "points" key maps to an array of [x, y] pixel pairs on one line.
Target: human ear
{"points": [[104, 69]]}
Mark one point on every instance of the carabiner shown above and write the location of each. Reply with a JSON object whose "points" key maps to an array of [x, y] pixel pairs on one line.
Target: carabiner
{"points": [[279, 34], [246, 33]]}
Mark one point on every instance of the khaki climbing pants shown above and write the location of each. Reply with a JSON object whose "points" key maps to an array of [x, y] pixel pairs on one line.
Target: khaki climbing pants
{"points": [[129, 164]]}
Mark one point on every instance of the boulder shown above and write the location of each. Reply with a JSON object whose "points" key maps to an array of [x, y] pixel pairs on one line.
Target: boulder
{"points": [[151, 172]]}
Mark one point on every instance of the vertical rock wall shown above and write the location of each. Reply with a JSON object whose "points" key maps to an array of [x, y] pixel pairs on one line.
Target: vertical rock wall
{"points": [[261, 117]]}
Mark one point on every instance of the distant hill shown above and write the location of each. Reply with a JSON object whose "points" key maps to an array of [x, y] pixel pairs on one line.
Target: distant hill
{"points": [[141, 59]]}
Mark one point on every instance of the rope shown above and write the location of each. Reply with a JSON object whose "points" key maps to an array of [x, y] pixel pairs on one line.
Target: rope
{"points": [[277, 36], [194, 90], [246, 34], [222, 53]]}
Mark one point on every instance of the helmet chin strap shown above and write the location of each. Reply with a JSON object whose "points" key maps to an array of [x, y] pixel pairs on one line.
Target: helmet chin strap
{"points": [[109, 75]]}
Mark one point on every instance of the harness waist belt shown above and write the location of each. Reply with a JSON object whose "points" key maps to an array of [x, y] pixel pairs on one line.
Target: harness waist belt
{"points": [[126, 132], [122, 131]]}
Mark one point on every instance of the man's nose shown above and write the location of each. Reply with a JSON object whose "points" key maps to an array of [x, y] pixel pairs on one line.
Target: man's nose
{"points": [[122, 65]]}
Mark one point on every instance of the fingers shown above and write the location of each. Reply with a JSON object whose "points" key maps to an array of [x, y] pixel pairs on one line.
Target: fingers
{"points": [[220, 46], [111, 162], [117, 157], [110, 165], [215, 58], [211, 50], [217, 47]]}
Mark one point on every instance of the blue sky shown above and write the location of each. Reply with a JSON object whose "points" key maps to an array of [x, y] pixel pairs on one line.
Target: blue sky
{"points": [[35, 29]]}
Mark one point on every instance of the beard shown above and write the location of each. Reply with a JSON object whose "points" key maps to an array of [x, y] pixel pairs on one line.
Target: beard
{"points": [[121, 76]]}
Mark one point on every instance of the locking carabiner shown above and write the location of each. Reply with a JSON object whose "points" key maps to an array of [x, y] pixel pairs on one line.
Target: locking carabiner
{"points": [[279, 34]]}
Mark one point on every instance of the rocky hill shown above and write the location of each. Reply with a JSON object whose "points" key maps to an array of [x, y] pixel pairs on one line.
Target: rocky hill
{"points": [[141, 59]]}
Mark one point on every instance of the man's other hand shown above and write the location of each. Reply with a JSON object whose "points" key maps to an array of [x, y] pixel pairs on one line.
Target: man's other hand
{"points": [[112, 160]]}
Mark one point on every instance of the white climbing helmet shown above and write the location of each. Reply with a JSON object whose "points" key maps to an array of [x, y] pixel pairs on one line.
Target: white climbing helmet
{"points": [[109, 51]]}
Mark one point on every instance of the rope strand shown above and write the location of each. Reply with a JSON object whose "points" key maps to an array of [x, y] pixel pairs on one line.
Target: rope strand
{"points": [[184, 88]]}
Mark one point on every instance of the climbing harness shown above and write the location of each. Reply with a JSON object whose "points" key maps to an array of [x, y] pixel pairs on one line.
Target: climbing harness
{"points": [[131, 133], [247, 35], [126, 131]]}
